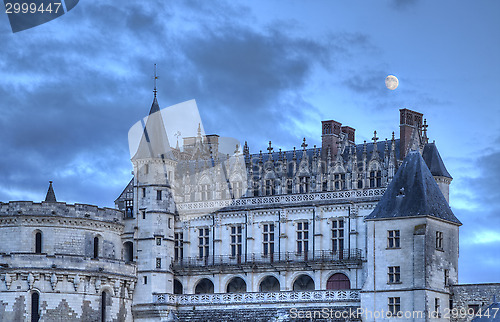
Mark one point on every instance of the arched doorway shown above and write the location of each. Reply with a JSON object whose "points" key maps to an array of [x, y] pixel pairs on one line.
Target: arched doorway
{"points": [[204, 286], [177, 287], [269, 284], [128, 251], [303, 283], [237, 285], [338, 281]]}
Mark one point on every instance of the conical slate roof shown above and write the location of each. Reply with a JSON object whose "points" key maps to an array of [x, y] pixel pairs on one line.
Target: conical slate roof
{"points": [[51, 196], [434, 161], [154, 140], [413, 192]]}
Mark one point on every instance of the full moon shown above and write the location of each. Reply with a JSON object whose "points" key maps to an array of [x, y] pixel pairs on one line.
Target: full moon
{"points": [[391, 82]]}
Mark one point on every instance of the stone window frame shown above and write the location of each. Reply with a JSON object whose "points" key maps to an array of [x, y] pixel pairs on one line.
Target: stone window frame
{"points": [[236, 240], [302, 234], [338, 229], [178, 246], [158, 263], [394, 239], [268, 235], [439, 240], [394, 305], [394, 275], [203, 242]]}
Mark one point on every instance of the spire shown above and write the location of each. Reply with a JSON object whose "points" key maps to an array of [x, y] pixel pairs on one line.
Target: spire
{"points": [[51, 196], [270, 151], [155, 107]]}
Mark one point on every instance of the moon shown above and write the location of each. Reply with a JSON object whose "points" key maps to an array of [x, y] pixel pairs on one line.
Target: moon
{"points": [[391, 82]]}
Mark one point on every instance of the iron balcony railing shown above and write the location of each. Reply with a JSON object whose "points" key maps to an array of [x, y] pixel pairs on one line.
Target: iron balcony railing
{"points": [[272, 258]]}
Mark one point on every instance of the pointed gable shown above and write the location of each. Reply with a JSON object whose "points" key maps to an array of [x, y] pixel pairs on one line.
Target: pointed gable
{"points": [[434, 162], [413, 192], [154, 140]]}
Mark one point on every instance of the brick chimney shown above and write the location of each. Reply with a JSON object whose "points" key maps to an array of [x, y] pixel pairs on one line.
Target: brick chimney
{"points": [[330, 134], [350, 133], [409, 121]]}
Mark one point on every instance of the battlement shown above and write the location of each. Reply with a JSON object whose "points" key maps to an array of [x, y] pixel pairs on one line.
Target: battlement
{"points": [[60, 209]]}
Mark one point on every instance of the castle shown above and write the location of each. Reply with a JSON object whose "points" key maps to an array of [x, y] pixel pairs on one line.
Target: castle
{"points": [[341, 232]]}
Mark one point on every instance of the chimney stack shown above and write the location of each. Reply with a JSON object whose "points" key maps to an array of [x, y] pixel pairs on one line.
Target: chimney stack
{"points": [[410, 121], [330, 134], [350, 133]]}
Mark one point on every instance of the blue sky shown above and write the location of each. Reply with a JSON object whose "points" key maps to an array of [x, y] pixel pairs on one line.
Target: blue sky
{"points": [[259, 70]]}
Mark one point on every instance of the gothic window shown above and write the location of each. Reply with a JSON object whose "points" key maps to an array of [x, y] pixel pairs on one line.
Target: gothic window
{"points": [[338, 281], [269, 187], [96, 247], [158, 194], [394, 274], [375, 179], [302, 237], [205, 192], [203, 239], [104, 305], [393, 239], [35, 307], [178, 246], [304, 185], [236, 241], [268, 239], [237, 189], [439, 240], [38, 242], [289, 186], [394, 305], [338, 237], [338, 181]]}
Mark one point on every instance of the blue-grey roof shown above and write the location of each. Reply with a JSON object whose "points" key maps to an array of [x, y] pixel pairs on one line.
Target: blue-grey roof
{"points": [[413, 192], [434, 162], [51, 195]]}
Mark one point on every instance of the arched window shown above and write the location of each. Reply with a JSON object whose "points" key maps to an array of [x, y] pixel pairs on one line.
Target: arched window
{"points": [[303, 283], [128, 251], [269, 284], [338, 281], [96, 247], [177, 287], [35, 307], [104, 305], [237, 285], [205, 286], [38, 242]]}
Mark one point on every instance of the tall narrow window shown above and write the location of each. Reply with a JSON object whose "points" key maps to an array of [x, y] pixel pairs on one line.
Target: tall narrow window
{"points": [[158, 194], [35, 307], [158, 262], [325, 185], [145, 279], [437, 307], [439, 240], [129, 206], [203, 239], [446, 277], [394, 274], [394, 305], [205, 193], [178, 246], [237, 189], [144, 192], [375, 179], [236, 241], [302, 237], [268, 239], [393, 239], [269, 189], [143, 214], [104, 305], [38, 243], [304, 185], [289, 186], [96, 247], [339, 180], [338, 237]]}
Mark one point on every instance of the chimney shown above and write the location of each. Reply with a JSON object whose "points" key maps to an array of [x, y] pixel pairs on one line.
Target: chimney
{"points": [[330, 134], [350, 133], [410, 121]]}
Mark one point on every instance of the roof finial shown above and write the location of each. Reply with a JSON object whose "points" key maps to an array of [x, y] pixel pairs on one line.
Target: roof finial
{"points": [[155, 78]]}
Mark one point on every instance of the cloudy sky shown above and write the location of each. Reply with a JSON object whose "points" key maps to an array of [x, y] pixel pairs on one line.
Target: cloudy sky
{"points": [[259, 70]]}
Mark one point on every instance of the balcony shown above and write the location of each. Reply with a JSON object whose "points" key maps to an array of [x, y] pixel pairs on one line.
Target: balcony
{"points": [[351, 258], [332, 297]]}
